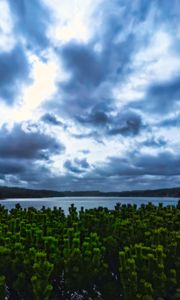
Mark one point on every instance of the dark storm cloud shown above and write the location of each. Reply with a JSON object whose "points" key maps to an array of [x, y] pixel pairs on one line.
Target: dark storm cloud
{"points": [[51, 119], [170, 122], [116, 166], [92, 75], [93, 72], [91, 67], [77, 165], [71, 167], [154, 142], [161, 98], [164, 163], [82, 163], [95, 67], [19, 144], [117, 174], [95, 118], [106, 60], [14, 69], [115, 183], [23, 172], [11, 166], [35, 173], [25, 154], [127, 123], [84, 65], [31, 21]]}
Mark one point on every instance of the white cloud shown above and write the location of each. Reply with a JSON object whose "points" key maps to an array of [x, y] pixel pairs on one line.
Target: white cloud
{"points": [[151, 64], [44, 75], [72, 20], [156, 60], [43, 85]]}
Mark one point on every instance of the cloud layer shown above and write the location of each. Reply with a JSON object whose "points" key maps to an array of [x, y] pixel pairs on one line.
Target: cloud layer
{"points": [[110, 117]]}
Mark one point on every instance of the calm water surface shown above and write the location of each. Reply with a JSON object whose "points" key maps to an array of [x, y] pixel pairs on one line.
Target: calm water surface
{"points": [[86, 202]]}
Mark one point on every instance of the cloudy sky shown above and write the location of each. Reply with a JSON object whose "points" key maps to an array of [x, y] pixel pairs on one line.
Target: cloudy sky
{"points": [[90, 94]]}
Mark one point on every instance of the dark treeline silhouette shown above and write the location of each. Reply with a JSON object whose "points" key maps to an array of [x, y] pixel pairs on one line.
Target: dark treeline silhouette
{"points": [[14, 192]]}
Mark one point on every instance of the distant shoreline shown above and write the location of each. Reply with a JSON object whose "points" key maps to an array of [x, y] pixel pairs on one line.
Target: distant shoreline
{"points": [[14, 192]]}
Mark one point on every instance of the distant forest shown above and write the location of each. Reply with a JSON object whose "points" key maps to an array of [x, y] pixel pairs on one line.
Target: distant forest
{"points": [[14, 192]]}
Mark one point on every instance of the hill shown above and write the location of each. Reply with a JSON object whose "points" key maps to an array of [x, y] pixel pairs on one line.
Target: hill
{"points": [[14, 192]]}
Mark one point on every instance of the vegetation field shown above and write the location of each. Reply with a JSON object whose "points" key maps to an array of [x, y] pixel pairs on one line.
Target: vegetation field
{"points": [[127, 253]]}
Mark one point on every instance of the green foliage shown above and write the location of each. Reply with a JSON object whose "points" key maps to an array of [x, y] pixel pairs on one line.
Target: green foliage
{"points": [[2, 287], [127, 253]]}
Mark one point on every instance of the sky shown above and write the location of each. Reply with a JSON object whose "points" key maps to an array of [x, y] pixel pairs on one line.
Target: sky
{"points": [[90, 94]]}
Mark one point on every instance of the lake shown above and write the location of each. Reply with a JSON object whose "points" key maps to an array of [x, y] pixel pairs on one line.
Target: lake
{"points": [[86, 202]]}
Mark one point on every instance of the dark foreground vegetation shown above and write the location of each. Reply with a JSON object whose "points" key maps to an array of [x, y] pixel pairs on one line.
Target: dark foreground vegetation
{"points": [[14, 192], [127, 253]]}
